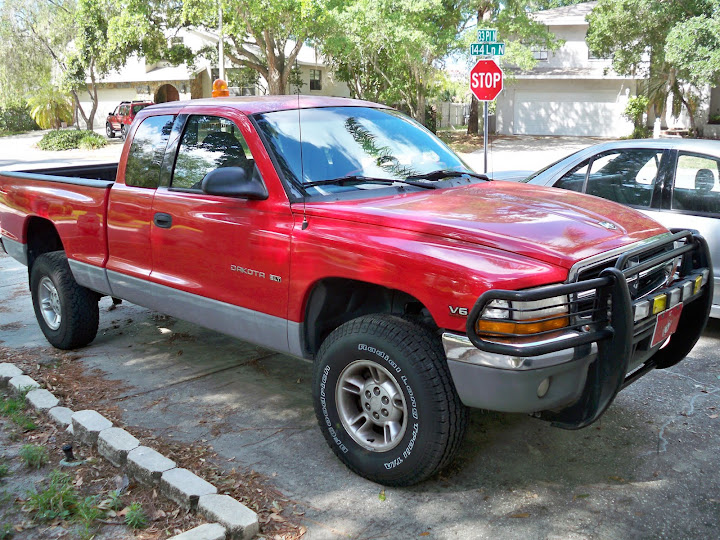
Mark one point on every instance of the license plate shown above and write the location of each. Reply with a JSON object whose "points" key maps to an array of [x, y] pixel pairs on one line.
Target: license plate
{"points": [[667, 323]]}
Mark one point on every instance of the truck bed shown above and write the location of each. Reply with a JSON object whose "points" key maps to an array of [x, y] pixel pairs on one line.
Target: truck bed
{"points": [[98, 175]]}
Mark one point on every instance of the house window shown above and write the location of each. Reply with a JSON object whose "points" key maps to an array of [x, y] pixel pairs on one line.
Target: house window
{"points": [[540, 54], [315, 76]]}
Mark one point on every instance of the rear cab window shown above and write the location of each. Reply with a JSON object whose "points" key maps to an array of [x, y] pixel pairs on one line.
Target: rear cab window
{"points": [[147, 151]]}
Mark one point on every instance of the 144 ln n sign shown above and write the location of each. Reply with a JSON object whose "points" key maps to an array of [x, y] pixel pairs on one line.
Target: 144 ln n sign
{"points": [[486, 80]]}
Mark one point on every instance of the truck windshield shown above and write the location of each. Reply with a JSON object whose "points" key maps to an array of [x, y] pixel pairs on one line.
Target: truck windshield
{"points": [[357, 142]]}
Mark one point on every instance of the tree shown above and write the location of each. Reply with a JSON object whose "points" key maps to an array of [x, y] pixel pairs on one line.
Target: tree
{"points": [[514, 25], [389, 50], [50, 108], [264, 35], [649, 45], [541, 5], [84, 40]]}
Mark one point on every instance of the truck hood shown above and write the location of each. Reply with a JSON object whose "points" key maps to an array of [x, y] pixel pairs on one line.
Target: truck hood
{"points": [[551, 225]]}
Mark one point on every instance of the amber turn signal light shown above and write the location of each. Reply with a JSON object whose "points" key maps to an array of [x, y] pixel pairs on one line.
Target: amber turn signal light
{"points": [[525, 327]]}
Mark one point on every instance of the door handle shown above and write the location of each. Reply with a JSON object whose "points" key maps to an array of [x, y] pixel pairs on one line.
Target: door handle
{"points": [[164, 221]]}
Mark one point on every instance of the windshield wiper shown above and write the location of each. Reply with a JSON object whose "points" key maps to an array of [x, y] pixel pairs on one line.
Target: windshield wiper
{"points": [[446, 173], [366, 180]]}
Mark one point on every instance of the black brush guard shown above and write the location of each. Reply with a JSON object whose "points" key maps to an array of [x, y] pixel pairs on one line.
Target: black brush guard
{"points": [[609, 323]]}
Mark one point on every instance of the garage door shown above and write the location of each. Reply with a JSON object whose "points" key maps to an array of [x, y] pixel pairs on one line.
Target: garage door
{"points": [[564, 113]]}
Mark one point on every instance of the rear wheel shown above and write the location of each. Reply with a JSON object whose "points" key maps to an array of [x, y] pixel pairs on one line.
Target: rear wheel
{"points": [[385, 401], [109, 130], [67, 313]]}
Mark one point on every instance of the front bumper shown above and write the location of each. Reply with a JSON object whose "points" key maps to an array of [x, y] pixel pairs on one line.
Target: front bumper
{"points": [[571, 376]]}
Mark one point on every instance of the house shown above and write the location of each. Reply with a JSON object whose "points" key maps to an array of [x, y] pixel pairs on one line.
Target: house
{"points": [[569, 91], [161, 82]]}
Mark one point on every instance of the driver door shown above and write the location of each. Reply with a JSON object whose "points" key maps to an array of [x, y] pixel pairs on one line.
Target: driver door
{"points": [[223, 260]]}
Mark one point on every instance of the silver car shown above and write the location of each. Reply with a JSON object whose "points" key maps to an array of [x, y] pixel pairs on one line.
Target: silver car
{"points": [[674, 181]]}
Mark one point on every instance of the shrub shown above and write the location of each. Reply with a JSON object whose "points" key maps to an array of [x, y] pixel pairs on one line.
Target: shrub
{"points": [[16, 119], [71, 138], [34, 455]]}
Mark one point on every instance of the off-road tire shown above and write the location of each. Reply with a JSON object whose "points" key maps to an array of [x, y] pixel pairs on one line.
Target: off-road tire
{"points": [[414, 357], [79, 313], [109, 131]]}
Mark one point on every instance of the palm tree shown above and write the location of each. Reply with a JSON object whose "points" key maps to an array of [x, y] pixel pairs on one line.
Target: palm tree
{"points": [[50, 107]]}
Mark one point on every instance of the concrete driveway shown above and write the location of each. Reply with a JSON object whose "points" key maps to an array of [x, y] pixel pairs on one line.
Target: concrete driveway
{"points": [[526, 152], [648, 469]]}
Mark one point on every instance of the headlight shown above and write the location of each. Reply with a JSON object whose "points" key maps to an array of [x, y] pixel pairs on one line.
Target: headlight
{"points": [[500, 317]]}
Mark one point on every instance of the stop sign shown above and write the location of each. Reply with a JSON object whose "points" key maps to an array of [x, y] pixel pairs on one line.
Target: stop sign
{"points": [[486, 80]]}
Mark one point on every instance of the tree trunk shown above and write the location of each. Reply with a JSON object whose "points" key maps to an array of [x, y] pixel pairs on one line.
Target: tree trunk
{"points": [[420, 113], [276, 82], [473, 128]]}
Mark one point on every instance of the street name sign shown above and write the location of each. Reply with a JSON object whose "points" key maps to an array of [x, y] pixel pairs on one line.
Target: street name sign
{"points": [[487, 34], [487, 49]]}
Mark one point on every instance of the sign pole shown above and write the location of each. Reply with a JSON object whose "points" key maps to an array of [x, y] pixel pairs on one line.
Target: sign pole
{"points": [[485, 135]]}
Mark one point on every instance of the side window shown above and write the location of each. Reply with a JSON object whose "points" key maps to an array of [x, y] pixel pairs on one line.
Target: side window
{"points": [[696, 184], [147, 151], [575, 179], [625, 176], [209, 143]]}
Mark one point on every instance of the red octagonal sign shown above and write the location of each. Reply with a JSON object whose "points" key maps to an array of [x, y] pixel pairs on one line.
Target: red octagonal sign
{"points": [[486, 80]]}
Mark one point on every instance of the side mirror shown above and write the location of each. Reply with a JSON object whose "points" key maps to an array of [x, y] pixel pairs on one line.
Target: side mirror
{"points": [[233, 182], [111, 113]]}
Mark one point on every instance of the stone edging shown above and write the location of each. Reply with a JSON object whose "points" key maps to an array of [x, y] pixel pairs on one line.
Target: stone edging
{"points": [[232, 519]]}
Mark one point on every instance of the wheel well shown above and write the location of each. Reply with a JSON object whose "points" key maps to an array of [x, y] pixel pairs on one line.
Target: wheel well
{"points": [[42, 237], [335, 301]]}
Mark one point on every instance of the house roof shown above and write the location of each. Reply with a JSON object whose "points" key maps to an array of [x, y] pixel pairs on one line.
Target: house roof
{"points": [[565, 16]]}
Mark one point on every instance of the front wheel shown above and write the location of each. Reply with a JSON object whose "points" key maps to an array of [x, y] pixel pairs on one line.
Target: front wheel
{"points": [[385, 401], [109, 131], [67, 313]]}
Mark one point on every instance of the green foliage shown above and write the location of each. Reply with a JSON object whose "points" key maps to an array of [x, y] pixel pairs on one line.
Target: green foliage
{"points": [[71, 138], [6, 531], [4, 470], [16, 119], [57, 501], [136, 517], [693, 47], [50, 107], [714, 119], [635, 109], [34, 456], [14, 408], [87, 513]]}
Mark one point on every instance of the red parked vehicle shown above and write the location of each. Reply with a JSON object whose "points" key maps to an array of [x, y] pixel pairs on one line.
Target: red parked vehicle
{"points": [[123, 115], [343, 232]]}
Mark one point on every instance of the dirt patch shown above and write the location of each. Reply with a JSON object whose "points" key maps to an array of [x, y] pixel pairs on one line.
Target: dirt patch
{"points": [[80, 388], [94, 478], [9, 327]]}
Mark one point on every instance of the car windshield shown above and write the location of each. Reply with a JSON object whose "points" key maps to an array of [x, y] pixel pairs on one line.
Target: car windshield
{"points": [[356, 143]]}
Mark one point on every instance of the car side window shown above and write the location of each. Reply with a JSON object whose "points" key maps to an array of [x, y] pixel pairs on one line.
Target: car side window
{"points": [[575, 179], [625, 176], [147, 151], [209, 143], [696, 184]]}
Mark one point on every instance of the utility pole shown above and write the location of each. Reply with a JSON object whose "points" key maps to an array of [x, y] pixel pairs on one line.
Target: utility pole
{"points": [[221, 45]]}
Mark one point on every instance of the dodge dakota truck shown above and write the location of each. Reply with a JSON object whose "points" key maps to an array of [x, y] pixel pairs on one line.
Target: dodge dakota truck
{"points": [[344, 233]]}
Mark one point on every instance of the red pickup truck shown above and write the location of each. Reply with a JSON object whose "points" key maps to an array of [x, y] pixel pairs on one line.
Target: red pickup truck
{"points": [[342, 232]]}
